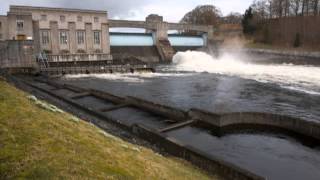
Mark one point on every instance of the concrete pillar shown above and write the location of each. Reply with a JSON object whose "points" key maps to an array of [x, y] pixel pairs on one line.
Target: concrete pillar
{"points": [[55, 44], [162, 30], [72, 37], [105, 44], [205, 39], [210, 33], [89, 38], [36, 37]]}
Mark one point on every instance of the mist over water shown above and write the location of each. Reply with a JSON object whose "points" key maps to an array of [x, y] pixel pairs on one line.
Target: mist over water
{"points": [[295, 77]]}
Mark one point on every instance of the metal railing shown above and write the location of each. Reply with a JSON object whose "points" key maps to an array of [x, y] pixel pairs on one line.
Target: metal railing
{"points": [[79, 57]]}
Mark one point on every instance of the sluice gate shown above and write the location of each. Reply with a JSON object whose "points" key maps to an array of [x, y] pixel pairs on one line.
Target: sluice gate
{"points": [[152, 122]]}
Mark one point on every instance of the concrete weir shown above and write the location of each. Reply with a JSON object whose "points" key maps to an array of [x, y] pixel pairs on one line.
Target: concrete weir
{"points": [[151, 122], [229, 122]]}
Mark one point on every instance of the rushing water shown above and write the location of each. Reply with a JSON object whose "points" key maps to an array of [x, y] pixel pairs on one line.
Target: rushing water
{"points": [[231, 84]]}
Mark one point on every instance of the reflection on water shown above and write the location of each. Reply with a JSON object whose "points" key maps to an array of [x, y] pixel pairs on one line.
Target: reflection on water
{"points": [[268, 156]]}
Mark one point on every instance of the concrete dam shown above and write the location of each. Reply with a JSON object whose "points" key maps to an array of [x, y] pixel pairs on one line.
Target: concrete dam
{"points": [[143, 45]]}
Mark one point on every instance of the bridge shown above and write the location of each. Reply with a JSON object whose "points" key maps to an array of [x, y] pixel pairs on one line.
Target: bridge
{"points": [[155, 25]]}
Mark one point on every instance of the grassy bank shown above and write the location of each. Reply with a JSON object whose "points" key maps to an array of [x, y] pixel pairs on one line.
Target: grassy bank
{"points": [[39, 142]]}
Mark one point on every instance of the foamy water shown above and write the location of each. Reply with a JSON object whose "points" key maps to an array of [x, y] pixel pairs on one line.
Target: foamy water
{"points": [[295, 77], [127, 77]]}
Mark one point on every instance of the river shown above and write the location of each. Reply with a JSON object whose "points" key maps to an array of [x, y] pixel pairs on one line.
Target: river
{"points": [[233, 82]]}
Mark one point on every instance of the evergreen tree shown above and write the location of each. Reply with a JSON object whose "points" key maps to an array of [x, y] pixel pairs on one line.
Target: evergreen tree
{"points": [[247, 22]]}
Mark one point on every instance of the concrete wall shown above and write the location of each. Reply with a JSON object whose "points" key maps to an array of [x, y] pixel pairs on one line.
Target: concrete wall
{"points": [[55, 20], [174, 114], [160, 27], [235, 120], [3, 28], [27, 30], [3, 53], [54, 42], [71, 15], [283, 31], [89, 37], [17, 54], [72, 38], [144, 53], [196, 157]]}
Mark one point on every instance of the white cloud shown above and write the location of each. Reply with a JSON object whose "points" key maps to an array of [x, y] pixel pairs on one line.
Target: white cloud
{"points": [[171, 10]]}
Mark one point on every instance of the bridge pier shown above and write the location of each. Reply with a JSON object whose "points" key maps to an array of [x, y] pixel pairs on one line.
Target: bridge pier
{"points": [[160, 36]]}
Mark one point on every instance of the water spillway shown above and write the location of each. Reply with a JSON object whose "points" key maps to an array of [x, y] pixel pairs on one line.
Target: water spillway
{"points": [[143, 45]]}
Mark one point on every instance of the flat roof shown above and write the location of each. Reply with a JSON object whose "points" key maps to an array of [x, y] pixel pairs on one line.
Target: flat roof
{"points": [[56, 9]]}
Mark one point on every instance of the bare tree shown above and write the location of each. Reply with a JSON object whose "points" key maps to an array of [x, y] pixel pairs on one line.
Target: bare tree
{"points": [[296, 5], [261, 9], [232, 18], [315, 7], [270, 10], [285, 8], [202, 15]]}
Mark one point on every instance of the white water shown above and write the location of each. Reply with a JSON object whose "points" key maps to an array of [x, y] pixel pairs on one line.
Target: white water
{"points": [[127, 77], [295, 77]]}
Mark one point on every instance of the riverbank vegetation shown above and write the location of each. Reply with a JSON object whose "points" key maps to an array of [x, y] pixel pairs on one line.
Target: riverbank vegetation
{"points": [[39, 141], [284, 23]]}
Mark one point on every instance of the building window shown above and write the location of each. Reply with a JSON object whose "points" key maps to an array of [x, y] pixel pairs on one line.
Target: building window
{"points": [[45, 37], [0, 36], [79, 18], [96, 19], [43, 17], [19, 25], [96, 36], [63, 37], [62, 18], [80, 37], [0, 25]]}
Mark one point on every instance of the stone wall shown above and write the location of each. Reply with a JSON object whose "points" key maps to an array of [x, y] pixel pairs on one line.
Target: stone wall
{"points": [[283, 31], [147, 54], [14, 32], [55, 20], [3, 28], [17, 54]]}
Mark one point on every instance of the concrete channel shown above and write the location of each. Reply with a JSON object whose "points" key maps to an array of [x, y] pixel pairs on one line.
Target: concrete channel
{"points": [[154, 123]]}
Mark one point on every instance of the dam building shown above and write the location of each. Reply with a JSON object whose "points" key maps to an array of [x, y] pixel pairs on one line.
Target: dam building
{"points": [[83, 35]]}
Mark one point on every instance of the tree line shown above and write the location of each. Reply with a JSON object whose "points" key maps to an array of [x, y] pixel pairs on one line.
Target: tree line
{"points": [[268, 9]]}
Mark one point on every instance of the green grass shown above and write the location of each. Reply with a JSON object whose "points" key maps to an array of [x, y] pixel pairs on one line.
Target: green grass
{"points": [[36, 143]]}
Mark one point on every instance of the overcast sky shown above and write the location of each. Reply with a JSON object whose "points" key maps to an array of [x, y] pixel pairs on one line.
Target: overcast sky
{"points": [[171, 10]]}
